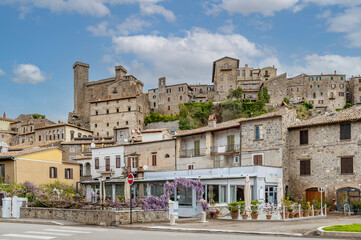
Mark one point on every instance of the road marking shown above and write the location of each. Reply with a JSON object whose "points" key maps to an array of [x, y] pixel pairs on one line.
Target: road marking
{"points": [[28, 236], [65, 231], [84, 228], [50, 233]]}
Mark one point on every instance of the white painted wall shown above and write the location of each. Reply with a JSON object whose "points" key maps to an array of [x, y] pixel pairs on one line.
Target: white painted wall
{"points": [[101, 153]]}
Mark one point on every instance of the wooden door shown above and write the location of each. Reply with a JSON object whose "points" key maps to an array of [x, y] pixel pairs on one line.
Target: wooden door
{"points": [[313, 194]]}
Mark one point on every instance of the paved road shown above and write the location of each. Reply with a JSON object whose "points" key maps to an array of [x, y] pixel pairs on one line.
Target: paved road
{"points": [[20, 231]]}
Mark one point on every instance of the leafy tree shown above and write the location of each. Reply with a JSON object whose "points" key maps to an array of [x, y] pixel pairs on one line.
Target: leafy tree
{"points": [[37, 115], [157, 117], [286, 100], [302, 112], [266, 96], [348, 105], [235, 94], [307, 105]]}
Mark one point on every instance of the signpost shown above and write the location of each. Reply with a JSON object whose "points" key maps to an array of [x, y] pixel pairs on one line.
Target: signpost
{"points": [[131, 181]]}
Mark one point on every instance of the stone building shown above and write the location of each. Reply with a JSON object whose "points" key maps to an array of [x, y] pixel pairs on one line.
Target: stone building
{"points": [[202, 93], [87, 94], [61, 132], [325, 91], [7, 134], [166, 98], [325, 152], [355, 90]]}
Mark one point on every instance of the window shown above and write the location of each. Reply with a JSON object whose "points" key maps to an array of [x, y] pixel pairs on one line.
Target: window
{"points": [[257, 160], [197, 150], [166, 156], [331, 77], [331, 95], [258, 132], [154, 160], [96, 112], [333, 85], [2, 172], [230, 143], [168, 107], [168, 99], [237, 72], [320, 101], [305, 167], [107, 103], [126, 122], [341, 94], [72, 149], [181, 89], [321, 93], [190, 166], [62, 134], [243, 73], [359, 88], [310, 86], [169, 90], [53, 172], [303, 137], [314, 95], [345, 131], [134, 162], [180, 97], [154, 104], [341, 85], [346, 165], [95, 125], [117, 123], [250, 73], [72, 133], [68, 173], [129, 109], [50, 135], [318, 85], [107, 124], [117, 110], [96, 163], [236, 159], [231, 77], [58, 133], [341, 78]]}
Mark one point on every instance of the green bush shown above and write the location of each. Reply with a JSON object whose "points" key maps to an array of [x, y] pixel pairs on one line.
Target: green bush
{"points": [[286, 100], [307, 105], [338, 109], [356, 205], [157, 117], [348, 105]]}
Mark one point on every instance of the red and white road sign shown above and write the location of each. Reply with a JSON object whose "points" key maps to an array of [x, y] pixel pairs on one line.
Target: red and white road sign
{"points": [[130, 178]]}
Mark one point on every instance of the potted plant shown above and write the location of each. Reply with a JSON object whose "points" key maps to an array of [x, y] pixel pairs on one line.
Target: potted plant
{"points": [[211, 214], [356, 207], [254, 209], [287, 203], [305, 207], [317, 206], [233, 208]]}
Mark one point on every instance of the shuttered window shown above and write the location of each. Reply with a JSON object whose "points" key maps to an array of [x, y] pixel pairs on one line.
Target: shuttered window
{"points": [[53, 172], [117, 161], [154, 160], [345, 131], [107, 163], [230, 143], [96, 163], [68, 173], [197, 148], [346, 165], [258, 132], [257, 160], [303, 137], [2, 172], [305, 167]]}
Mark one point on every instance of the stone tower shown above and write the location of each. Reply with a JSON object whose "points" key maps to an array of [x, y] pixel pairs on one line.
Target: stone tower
{"points": [[81, 78]]}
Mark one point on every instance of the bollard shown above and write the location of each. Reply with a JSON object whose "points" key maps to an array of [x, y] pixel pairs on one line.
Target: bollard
{"points": [[172, 219], [203, 217], [239, 212], [284, 213], [325, 210], [313, 211], [299, 211]]}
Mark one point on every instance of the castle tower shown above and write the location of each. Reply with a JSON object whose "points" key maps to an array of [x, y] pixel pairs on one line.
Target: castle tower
{"points": [[81, 78], [120, 72], [162, 82]]}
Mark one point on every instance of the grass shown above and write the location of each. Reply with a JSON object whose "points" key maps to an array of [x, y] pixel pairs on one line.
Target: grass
{"points": [[344, 228]]}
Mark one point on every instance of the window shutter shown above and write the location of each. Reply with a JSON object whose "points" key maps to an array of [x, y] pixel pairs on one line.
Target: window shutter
{"points": [[96, 163], [50, 172], [107, 163], [55, 172], [117, 162], [129, 163], [3, 171], [66, 169], [71, 173], [137, 162]]}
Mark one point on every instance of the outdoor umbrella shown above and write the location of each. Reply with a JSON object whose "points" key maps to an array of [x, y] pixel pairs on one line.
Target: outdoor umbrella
{"points": [[247, 194], [126, 189], [279, 192]]}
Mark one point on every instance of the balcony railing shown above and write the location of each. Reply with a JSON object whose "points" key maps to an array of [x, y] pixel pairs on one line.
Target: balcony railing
{"points": [[106, 169], [230, 148], [197, 152]]}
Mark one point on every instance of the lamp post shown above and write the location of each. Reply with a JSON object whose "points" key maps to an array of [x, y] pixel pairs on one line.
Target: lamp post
{"points": [[321, 190]]}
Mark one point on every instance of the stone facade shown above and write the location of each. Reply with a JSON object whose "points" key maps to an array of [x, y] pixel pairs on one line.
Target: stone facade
{"points": [[355, 90], [166, 98], [224, 76], [61, 131], [171, 126], [324, 151], [94, 217]]}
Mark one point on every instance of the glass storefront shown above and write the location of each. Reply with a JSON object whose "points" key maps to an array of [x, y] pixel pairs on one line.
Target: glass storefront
{"points": [[156, 189], [184, 196]]}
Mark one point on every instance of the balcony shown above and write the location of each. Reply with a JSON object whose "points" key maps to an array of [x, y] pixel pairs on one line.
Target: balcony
{"points": [[226, 149], [104, 170], [198, 152]]}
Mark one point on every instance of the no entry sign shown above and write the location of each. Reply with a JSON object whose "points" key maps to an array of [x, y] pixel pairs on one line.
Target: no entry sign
{"points": [[130, 178]]}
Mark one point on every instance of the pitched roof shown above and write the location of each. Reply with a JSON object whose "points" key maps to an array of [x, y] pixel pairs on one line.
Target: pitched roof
{"points": [[36, 144], [75, 142], [8, 120], [64, 124], [83, 158], [26, 151], [351, 114]]}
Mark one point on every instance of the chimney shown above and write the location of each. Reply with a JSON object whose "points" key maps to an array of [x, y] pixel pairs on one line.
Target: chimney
{"points": [[59, 121], [212, 121], [4, 115], [120, 72], [335, 72], [246, 65]]}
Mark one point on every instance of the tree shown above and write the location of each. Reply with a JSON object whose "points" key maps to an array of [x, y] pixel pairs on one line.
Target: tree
{"points": [[286, 100], [235, 94]]}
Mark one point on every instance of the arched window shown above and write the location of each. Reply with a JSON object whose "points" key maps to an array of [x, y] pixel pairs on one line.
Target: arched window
{"points": [[72, 133], [46, 136], [167, 155], [58, 133], [50, 135], [54, 135], [87, 169], [62, 134]]}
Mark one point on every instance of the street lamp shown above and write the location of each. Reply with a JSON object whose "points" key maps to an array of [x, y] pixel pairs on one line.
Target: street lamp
{"points": [[321, 190]]}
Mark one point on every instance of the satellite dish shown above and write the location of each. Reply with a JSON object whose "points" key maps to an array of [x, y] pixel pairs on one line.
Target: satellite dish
{"points": [[133, 131], [125, 140], [92, 145], [145, 167]]}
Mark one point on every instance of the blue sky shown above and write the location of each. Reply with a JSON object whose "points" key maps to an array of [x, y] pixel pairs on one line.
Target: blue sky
{"points": [[41, 39]]}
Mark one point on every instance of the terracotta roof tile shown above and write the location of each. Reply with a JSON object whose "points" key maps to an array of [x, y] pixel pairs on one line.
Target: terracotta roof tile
{"points": [[75, 142], [26, 151], [36, 144], [351, 114]]}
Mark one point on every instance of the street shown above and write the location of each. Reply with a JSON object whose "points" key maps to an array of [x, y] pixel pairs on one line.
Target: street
{"points": [[17, 231]]}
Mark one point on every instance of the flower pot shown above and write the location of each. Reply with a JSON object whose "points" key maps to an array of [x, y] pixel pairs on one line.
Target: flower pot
{"points": [[287, 214], [217, 213], [268, 216], [317, 212], [305, 213], [234, 215], [244, 216], [291, 215], [297, 215], [254, 215]]}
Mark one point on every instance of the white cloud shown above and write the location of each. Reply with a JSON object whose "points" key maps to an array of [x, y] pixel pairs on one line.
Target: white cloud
{"points": [[97, 8], [184, 59], [28, 74], [99, 30], [228, 27], [2, 72], [266, 8], [151, 9], [348, 22]]}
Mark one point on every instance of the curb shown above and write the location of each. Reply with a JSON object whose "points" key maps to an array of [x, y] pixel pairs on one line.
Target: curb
{"points": [[324, 233], [197, 230], [37, 222]]}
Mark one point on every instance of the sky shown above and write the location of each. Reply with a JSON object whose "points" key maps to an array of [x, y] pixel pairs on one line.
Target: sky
{"points": [[40, 40]]}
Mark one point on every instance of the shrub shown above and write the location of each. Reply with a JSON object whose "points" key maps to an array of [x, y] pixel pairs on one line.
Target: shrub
{"points": [[286, 100], [356, 205], [347, 105]]}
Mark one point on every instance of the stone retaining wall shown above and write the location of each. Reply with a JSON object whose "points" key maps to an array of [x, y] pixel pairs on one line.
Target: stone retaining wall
{"points": [[223, 210], [94, 217]]}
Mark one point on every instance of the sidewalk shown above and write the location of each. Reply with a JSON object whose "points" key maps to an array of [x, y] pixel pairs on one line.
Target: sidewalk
{"points": [[40, 221], [299, 228]]}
